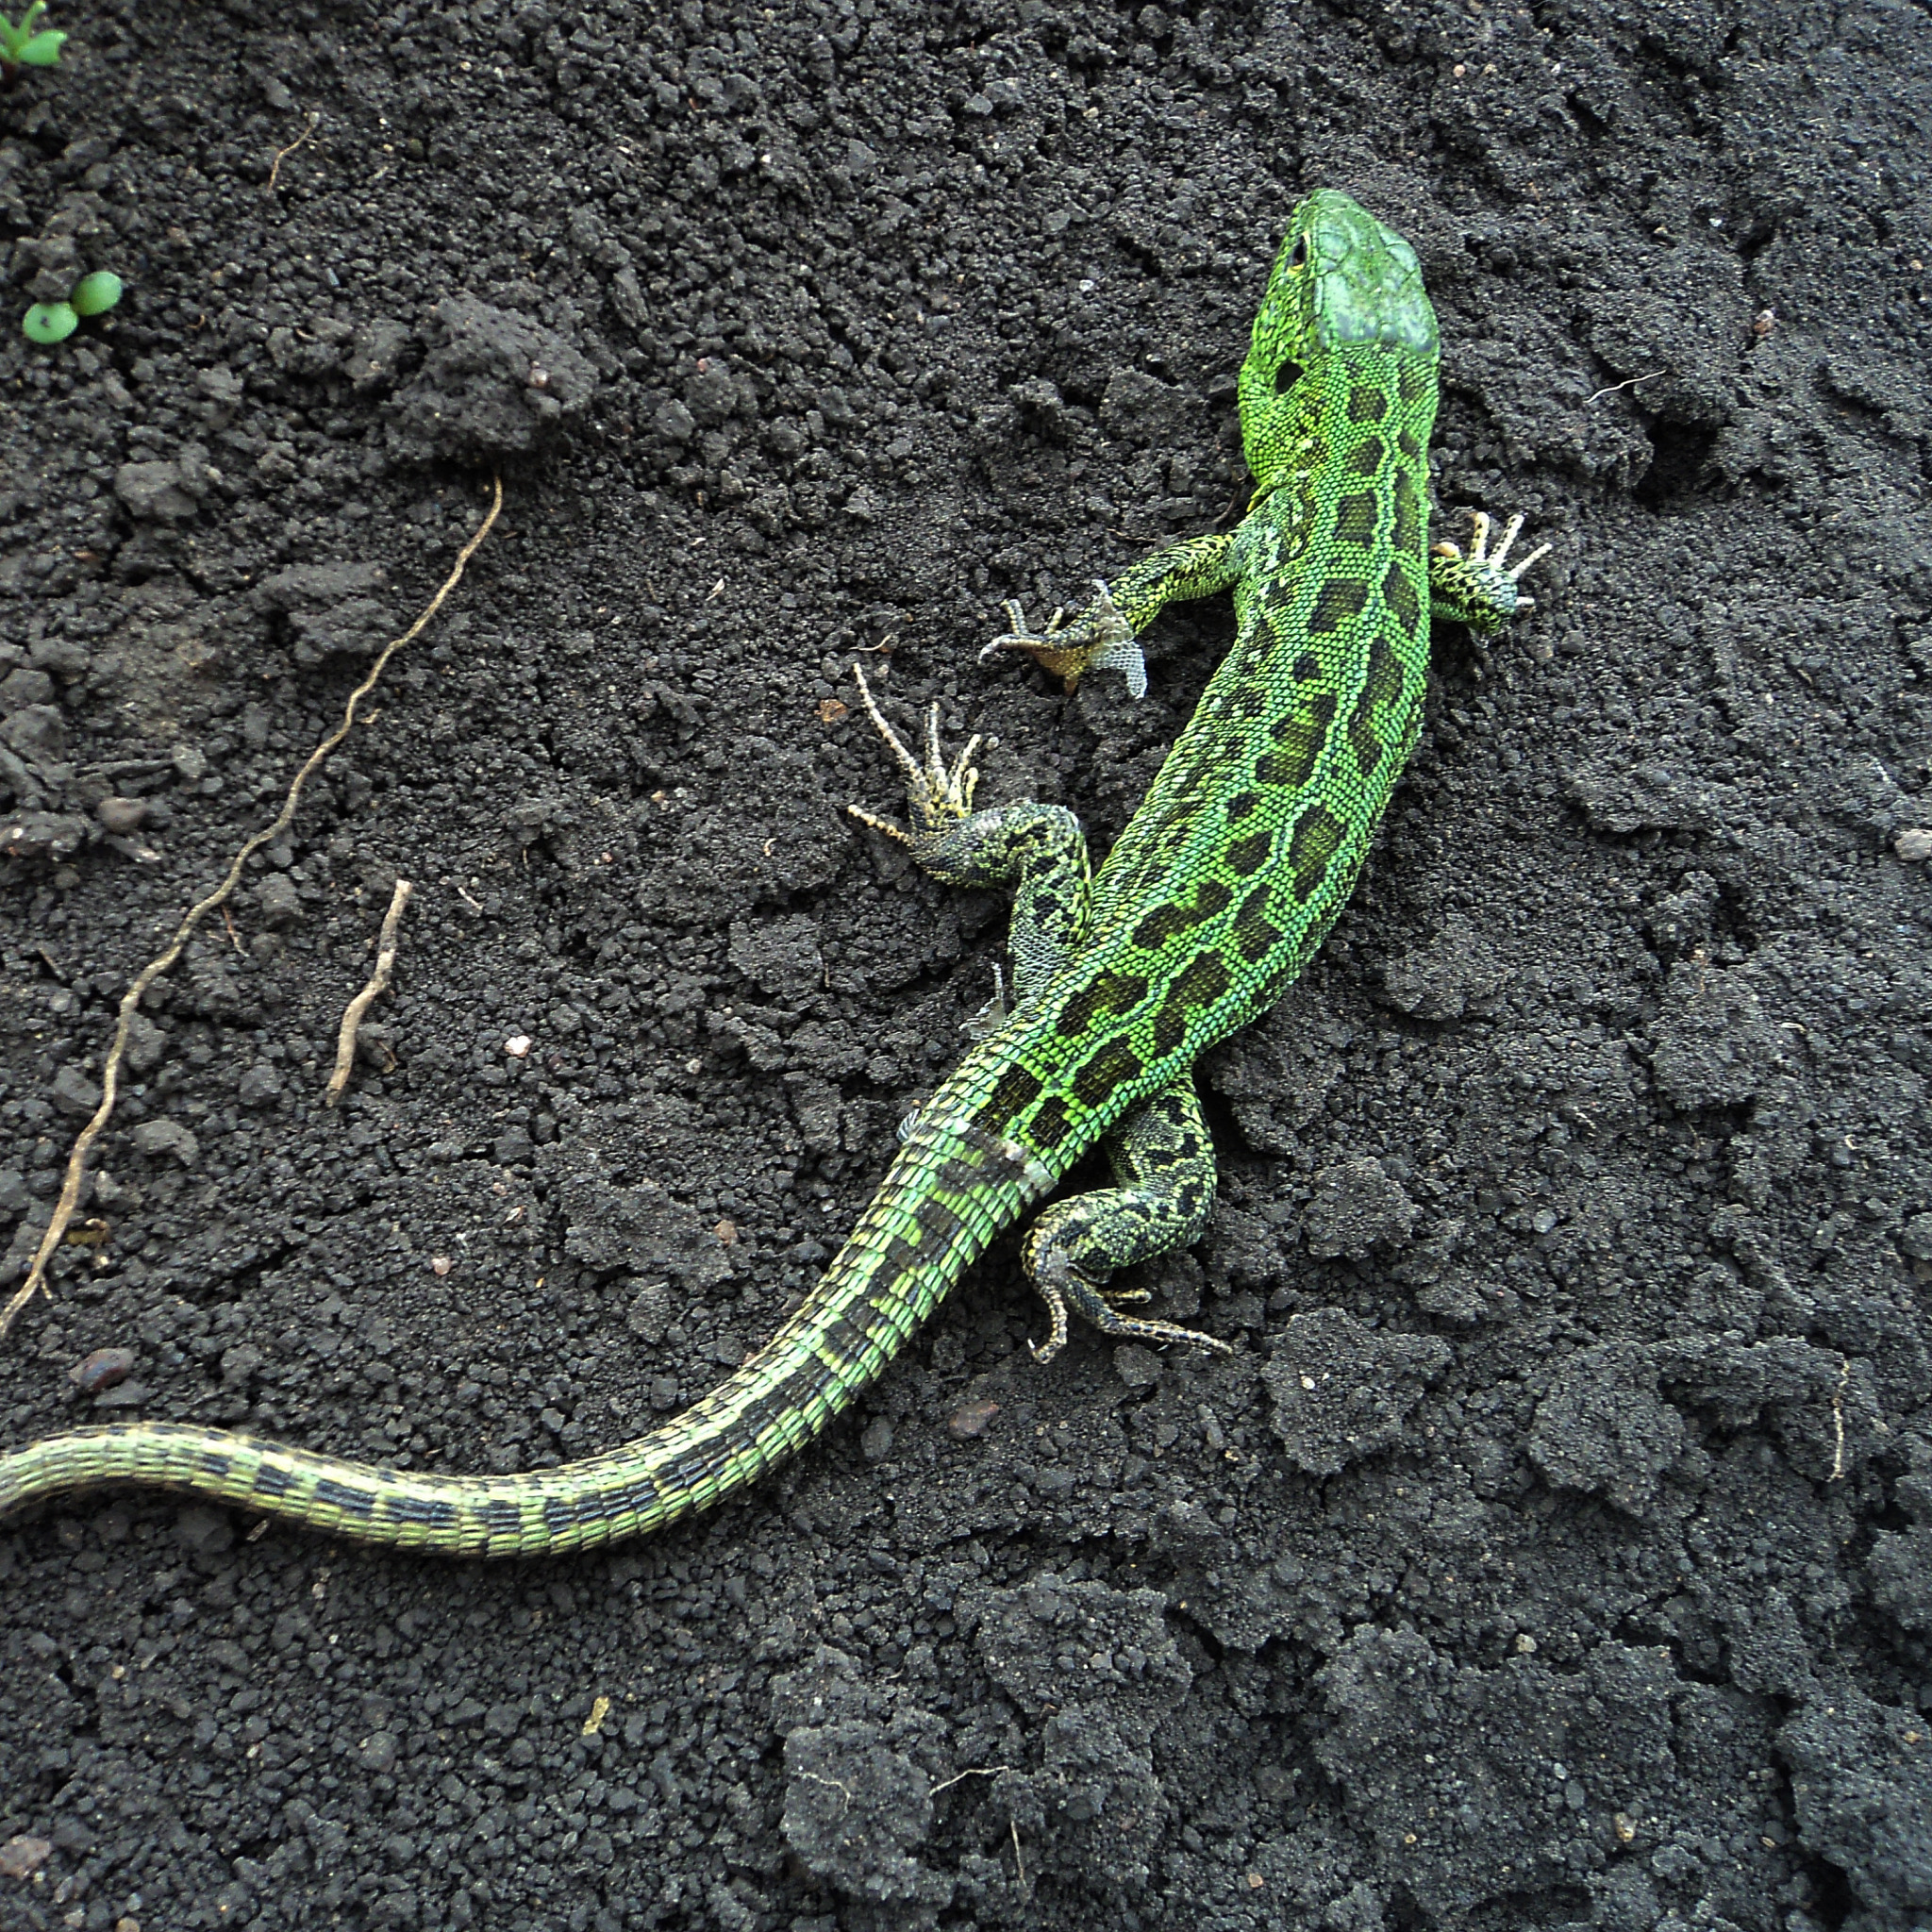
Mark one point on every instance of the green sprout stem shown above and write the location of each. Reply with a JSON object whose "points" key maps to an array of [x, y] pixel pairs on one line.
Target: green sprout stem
{"points": [[21, 46]]}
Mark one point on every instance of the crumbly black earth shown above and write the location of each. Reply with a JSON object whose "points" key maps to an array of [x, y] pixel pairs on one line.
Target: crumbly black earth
{"points": [[1554, 1551]]}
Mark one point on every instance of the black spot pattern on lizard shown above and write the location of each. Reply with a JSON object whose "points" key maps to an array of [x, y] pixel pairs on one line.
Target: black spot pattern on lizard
{"points": [[848, 1336], [1205, 980], [1048, 911], [1049, 1124], [901, 1254], [1241, 805], [1015, 1089], [330, 1494], [1382, 686], [1368, 456], [431, 1512], [1254, 936], [1108, 993], [1355, 517], [1164, 922], [1413, 382], [1341, 599], [1408, 513], [1367, 404], [1248, 855], [765, 1408], [500, 1517], [1306, 666], [1116, 1064], [936, 1222], [271, 1481], [959, 1176], [1316, 840], [1399, 594], [211, 1462], [1300, 736]]}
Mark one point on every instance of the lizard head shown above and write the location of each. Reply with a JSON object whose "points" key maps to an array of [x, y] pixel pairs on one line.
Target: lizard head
{"points": [[1341, 282]]}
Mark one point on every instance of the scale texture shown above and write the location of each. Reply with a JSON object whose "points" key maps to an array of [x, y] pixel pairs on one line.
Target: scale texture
{"points": [[1221, 889]]}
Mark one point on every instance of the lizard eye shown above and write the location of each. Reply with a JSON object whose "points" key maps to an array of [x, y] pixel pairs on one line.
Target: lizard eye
{"points": [[1287, 376], [1299, 254]]}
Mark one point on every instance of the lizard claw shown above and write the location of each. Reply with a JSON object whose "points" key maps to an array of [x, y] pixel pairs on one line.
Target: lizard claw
{"points": [[1480, 588], [1100, 639], [992, 1016], [938, 794]]}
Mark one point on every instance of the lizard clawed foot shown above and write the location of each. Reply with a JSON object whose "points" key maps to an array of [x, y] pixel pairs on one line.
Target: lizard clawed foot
{"points": [[938, 796], [992, 1016], [1062, 1287], [1480, 588], [1100, 639]]}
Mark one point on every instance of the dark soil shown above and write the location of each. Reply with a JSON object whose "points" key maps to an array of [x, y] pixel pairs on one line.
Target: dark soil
{"points": [[1557, 1549]]}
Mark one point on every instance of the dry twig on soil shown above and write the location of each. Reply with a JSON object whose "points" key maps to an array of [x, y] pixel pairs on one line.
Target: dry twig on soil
{"points": [[110, 1073], [378, 984], [313, 121]]}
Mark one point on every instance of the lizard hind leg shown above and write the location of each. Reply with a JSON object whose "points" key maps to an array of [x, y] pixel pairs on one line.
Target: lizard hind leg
{"points": [[1163, 1164]]}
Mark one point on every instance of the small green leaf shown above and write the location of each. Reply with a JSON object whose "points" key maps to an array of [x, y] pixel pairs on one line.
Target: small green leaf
{"points": [[44, 50], [96, 293], [50, 322]]}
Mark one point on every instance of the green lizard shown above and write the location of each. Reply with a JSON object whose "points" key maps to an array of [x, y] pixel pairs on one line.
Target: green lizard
{"points": [[1215, 897]]}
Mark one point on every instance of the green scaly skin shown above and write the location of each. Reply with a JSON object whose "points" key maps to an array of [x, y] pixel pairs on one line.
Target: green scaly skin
{"points": [[1215, 897]]}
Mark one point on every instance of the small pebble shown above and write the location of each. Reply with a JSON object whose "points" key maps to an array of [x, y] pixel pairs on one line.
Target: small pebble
{"points": [[440, 1264], [1914, 845], [258, 1086], [121, 814], [517, 1045], [204, 1532], [21, 1857], [280, 899], [104, 1369], [156, 1138], [73, 1093], [970, 1418]]}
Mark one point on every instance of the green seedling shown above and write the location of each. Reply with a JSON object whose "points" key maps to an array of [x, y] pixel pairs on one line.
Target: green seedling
{"points": [[22, 46], [96, 293], [50, 322], [53, 322]]}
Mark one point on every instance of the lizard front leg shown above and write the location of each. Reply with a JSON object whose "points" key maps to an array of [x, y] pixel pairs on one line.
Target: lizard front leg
{"points": [[1478, 589], [1106, 636]]}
